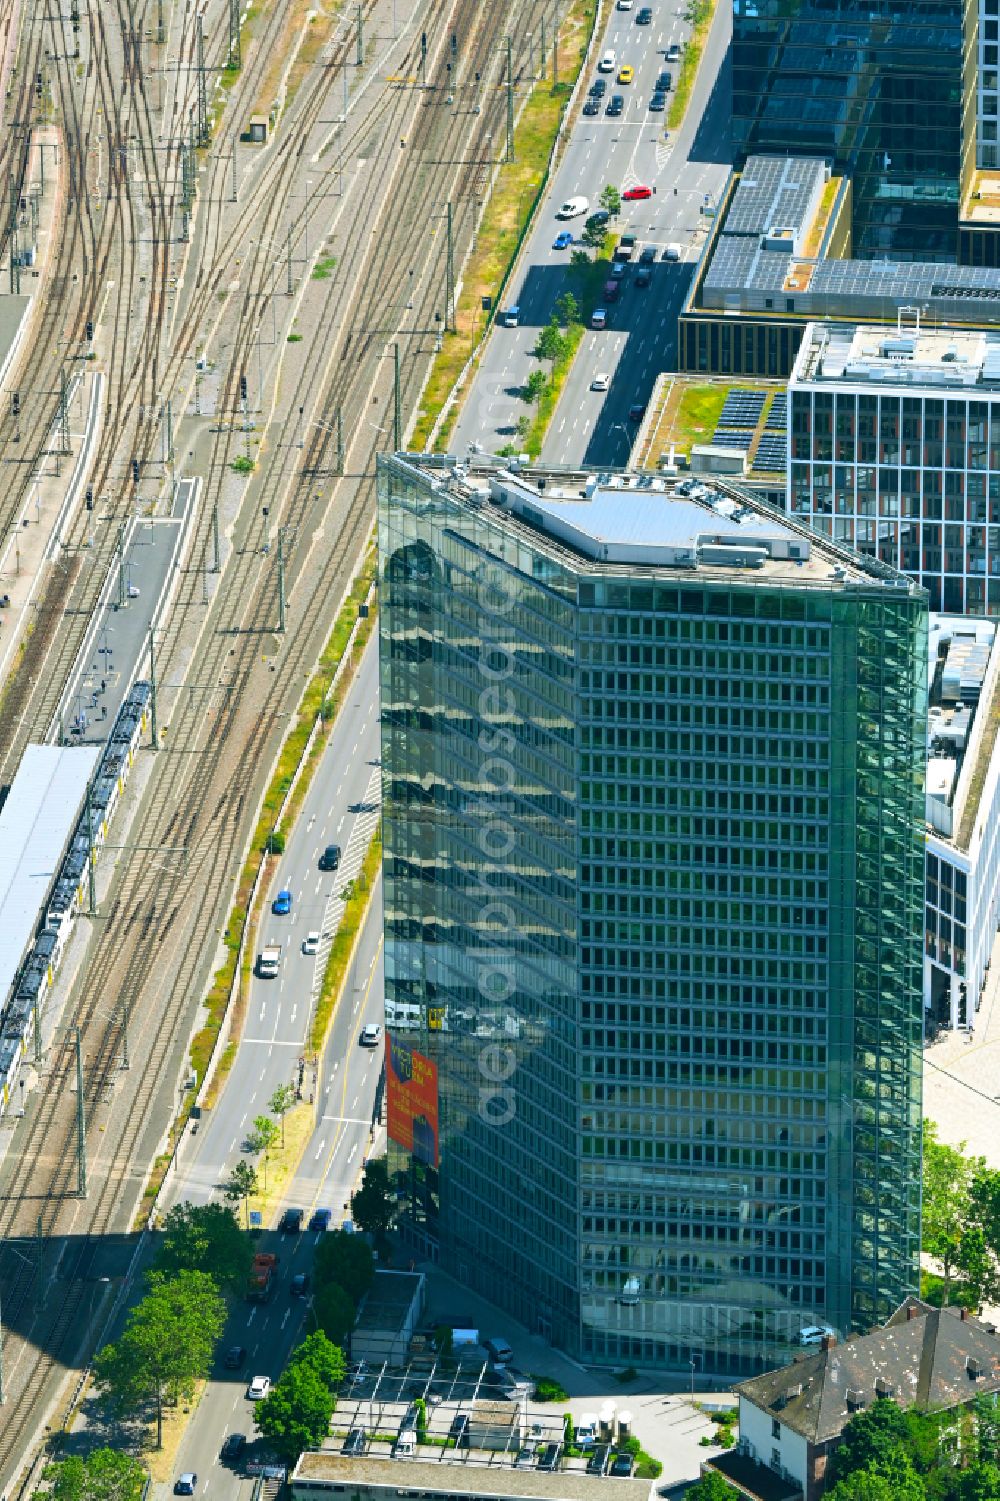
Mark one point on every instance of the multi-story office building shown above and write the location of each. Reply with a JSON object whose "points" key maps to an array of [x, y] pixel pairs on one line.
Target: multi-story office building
{"points": [[653, 824], [884, 88], [894, 437], [963, 818], [987, 90]]}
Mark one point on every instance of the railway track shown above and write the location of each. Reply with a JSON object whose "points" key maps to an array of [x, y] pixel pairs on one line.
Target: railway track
{"points": [[158, 933]]}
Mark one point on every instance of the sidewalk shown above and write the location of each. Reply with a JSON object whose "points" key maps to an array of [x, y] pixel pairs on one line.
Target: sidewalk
{"points": [[664, 1419], [962, 1077]]}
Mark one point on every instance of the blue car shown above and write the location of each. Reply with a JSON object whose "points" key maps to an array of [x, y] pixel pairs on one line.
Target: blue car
{"points": [[282, 904], [321, 1219], [562, 239]]}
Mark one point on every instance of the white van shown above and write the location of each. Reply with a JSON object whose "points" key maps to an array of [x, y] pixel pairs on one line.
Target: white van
{"points": [[599, 318], [573, 208], [607, 62]]}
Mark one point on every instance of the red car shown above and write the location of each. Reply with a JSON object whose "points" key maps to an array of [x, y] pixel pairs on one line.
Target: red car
{"points": [[639, 191]]}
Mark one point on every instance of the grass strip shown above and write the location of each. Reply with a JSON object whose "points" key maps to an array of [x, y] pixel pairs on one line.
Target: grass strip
{"points": [[339, 957], [699, 15], [586, 282], [517, 188]]}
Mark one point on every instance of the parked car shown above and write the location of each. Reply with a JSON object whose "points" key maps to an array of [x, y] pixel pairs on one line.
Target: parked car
{"points": [[258, 1388], [622, 1465], [282, 904], [232, 1447], [234, 1358], [321, 1219], [291, 1221], [562, 239], [354, 1443], [371, 1035], [658, 103], [598, 1460], [186, 1484], [636, 193], [549, 1457], [330, 858], [616, 105], [299, 1285]]}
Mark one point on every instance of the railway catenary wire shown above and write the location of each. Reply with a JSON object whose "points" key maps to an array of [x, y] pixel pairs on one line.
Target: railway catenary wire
{"points": [[29, 707], [141, 915]]}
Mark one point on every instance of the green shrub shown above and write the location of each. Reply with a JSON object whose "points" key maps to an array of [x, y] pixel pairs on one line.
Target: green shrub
{"points": [[242, 465], [726, 1437], [547, 1390], [276, 842]]}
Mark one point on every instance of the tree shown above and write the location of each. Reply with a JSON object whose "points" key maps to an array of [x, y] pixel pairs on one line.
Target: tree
{"points": [[335, 1311], [875, 1435], [206, 1237], [870, 1485], [325, 1357], [262, 1138], [296, 1413], [987, 1420], [166, 1346], [980, 1482], [346, 1260], [578, 259], [595, 237], [611, 200], [947, 1181], [551, 342], [242, 1185], [374, 1203], [534, 385], [104, 1475], [280, 1103], [567, 309], [711, 1487]]}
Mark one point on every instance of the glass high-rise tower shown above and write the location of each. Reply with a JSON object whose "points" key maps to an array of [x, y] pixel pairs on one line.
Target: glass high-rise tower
{"points": [[653, 791], [886, 88]]}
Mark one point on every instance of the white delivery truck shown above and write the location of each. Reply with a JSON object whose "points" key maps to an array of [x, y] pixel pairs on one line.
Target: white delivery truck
{"points": [[268, 960]]}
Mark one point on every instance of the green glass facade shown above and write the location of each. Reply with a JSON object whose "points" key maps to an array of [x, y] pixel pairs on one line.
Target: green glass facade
{"points": [[653, 896]]}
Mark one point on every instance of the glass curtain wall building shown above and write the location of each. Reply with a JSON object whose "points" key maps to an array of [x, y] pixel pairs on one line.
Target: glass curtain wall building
{"points": [[653, 894], [886, 88]]}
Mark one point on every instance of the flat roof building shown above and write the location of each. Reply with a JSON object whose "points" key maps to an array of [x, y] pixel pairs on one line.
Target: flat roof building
{"points": [[883, 91], [780, 255], [963, 817], [653, 906], [439, 1479], [894, 449]]}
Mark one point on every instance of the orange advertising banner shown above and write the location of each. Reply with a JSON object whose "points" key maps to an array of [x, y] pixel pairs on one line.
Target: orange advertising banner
{"points": [[412, 1101]]}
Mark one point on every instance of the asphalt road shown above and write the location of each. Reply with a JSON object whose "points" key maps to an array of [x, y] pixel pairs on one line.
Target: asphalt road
{"points": [[348, 776], [686, 167]]}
